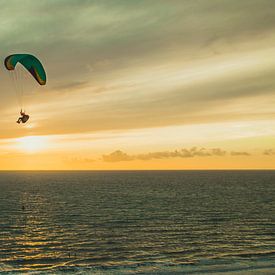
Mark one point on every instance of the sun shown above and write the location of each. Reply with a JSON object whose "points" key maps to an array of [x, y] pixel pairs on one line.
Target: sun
{"points": [[32, 144]]}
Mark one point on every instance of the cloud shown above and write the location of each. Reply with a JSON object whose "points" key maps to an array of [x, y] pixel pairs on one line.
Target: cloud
{"points": [[269, 152], [141, 63], [236, 153], [118, 155], [71, 85]]}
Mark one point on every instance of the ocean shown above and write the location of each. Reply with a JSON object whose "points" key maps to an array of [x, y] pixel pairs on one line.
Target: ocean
{"points": [[131, 222]]}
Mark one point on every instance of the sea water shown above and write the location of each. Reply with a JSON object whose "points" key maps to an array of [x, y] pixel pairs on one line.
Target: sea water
{"points": [[168, 222]]}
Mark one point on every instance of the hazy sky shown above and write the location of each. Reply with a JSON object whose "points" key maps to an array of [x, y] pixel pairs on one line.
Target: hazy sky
{"points": [[141, 84]]}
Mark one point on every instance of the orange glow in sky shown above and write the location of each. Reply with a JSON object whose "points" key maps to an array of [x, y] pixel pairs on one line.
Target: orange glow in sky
{"points": [[177, 86]]}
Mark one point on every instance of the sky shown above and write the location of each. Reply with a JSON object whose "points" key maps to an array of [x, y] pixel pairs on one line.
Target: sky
{"points": [[140, 85]]}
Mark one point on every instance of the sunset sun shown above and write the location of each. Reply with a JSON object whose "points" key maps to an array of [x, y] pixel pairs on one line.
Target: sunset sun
{"points": [[32, 144]]}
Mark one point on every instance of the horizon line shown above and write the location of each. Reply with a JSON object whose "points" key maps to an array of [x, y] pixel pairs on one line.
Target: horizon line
{"points": [[134, 170]]}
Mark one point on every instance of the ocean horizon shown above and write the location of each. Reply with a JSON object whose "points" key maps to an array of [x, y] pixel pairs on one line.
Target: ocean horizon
{"points": [[137, 137], [142, 222]]}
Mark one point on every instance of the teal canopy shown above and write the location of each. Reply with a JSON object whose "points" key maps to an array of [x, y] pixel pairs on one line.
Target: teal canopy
{"points": [[30, 62]]}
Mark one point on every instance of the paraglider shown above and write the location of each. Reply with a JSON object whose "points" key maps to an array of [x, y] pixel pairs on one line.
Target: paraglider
{"points": [[33, 66], [24, 117]]}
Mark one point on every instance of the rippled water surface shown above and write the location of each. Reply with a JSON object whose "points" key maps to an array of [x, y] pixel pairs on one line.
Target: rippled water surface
{"points": [[137, 222]]}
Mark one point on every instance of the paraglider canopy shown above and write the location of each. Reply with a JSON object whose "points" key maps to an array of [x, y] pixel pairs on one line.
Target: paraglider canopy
{"points": [[30, 62]]}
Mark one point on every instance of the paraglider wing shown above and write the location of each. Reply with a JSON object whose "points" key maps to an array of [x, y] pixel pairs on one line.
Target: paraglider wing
{"points": [[30, 62]]}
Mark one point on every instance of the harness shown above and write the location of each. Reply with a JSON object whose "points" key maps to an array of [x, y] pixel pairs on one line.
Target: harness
{"points": [[25, 118]]}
